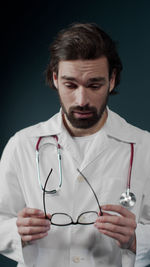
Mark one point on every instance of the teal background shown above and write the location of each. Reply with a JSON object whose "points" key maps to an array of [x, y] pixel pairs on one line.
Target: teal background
{"points": [[28, 29]]}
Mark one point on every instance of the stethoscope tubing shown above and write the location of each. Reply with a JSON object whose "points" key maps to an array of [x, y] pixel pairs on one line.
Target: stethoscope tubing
{"points": [[130, 167], [59, 164], [125, 199]]}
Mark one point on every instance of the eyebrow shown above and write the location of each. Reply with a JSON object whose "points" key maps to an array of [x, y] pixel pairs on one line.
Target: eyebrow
{"points": [[94, 79]]}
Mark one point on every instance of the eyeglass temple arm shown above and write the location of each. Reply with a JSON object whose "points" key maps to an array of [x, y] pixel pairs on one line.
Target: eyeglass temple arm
{"points": [[44, 191], [101, 213]]}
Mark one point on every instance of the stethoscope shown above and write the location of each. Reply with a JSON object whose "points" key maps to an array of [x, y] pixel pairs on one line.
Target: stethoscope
{"points": [[127, 199], [54, 191]]}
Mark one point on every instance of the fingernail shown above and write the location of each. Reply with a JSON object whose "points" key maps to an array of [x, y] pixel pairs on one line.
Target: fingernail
{"points": [[40, 212], [45, 234], [96, 225]]}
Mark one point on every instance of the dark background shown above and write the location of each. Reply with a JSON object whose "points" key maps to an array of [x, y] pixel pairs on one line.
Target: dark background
{"points": [[28, 27]]}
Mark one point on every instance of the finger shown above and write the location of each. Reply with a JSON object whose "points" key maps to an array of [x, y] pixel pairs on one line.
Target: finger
{"points": [[33, 230], [119, 209], [106, 214], [27, 238], [45, 216], [26, 212], [117, 220], [115, 228], [122, 239], [32, 222], [48, 216]]}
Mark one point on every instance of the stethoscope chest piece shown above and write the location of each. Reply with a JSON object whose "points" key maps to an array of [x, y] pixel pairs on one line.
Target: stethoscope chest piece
{"points": [[127, 199]]}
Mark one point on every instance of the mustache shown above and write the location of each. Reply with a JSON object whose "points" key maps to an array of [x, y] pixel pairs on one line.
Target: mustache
{"points": [[83, 108]]}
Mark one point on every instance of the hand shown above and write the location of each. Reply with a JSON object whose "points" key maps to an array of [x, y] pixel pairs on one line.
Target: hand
{"points": [[32, 224], [121, 227]]}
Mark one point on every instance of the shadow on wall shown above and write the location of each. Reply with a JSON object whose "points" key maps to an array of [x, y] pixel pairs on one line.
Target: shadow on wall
{"points": [[5, 262]]}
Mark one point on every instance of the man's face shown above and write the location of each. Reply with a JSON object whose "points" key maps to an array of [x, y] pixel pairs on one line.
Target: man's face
{"points": [[84, 87]]}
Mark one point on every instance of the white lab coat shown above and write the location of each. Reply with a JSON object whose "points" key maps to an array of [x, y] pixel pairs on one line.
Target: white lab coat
{"points": [[105, 165]]}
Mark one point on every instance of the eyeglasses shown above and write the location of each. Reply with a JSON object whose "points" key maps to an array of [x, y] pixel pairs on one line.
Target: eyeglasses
{"points": [[64, 219]]}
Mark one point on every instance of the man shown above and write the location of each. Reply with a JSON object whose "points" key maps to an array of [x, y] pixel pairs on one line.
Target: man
{"points": [[60, 213]]}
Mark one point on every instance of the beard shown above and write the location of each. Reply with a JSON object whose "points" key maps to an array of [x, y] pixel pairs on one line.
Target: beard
{"points": [[85, 123]]}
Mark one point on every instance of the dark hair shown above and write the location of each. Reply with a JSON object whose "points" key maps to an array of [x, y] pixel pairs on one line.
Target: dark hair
{"points": [[83, 41]]}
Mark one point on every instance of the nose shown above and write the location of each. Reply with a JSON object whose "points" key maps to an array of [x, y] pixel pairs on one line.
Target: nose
{"points": [[82, 97]]}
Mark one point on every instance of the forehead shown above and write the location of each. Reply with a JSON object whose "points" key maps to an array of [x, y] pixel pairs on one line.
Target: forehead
{"points": [[84, 68]]}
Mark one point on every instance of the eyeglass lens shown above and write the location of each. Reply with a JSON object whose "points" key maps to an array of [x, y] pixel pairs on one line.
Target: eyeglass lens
{"points": [[62, 219]]}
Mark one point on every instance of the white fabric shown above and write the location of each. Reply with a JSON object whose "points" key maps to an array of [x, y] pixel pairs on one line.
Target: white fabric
{"points": [[106, 167], [82, 145]]}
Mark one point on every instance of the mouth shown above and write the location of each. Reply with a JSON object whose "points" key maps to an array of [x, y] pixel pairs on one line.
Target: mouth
{"points": [[83, 114]]}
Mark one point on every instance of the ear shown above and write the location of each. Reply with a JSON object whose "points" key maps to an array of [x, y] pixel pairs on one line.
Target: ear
{"points": [[112, 81], [55, 79]]}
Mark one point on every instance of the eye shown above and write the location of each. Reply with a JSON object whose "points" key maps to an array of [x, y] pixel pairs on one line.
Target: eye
{"points": [[95, 86], [70, 85]]}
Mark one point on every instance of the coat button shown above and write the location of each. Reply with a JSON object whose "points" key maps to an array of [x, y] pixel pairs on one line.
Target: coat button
{"points": [[76, 259], [80, 179]]}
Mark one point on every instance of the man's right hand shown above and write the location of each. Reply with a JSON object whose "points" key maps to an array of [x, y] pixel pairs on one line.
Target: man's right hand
{"points": [[32, 224]]}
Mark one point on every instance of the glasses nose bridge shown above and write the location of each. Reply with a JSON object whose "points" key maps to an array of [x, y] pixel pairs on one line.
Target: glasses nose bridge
{"points": [[74, 223], [80, 220]]}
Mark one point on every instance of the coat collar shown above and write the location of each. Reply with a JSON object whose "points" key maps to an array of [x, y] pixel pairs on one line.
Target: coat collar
{"points": [[115, 127], [53, 126]]}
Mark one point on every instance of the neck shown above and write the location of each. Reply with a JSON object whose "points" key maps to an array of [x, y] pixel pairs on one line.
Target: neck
{"points": [[85, 132]]}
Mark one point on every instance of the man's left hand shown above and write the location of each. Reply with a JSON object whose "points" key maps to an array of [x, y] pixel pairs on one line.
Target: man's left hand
{"points": [[120, 226]]}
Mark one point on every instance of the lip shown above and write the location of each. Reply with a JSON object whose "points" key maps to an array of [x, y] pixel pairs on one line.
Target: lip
{"points": [[81, 114]]}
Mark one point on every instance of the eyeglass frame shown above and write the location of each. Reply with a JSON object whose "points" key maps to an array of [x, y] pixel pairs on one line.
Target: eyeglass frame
{"points": [[61, 213]]}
